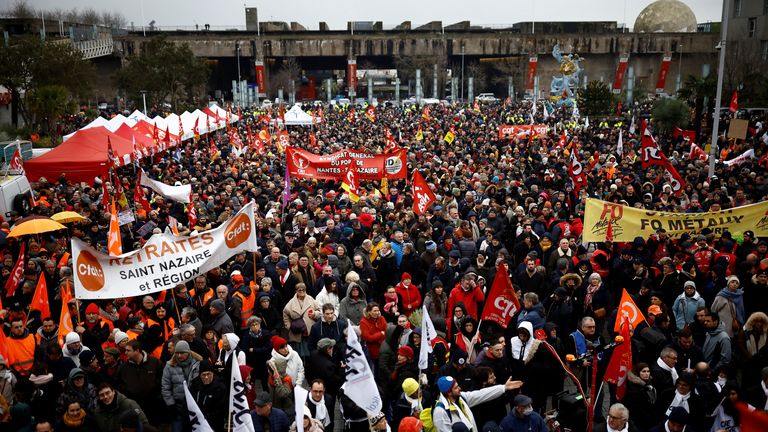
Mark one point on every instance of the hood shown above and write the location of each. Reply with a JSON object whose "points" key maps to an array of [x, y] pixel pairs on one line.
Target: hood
{"points": [[349, 291], [757, 316], [720, 329], [528, 326], [635, 379], [538, 307], [233, 340]]}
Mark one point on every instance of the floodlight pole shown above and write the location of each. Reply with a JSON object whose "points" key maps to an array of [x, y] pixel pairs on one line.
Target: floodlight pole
{"points": [[720, 73]]}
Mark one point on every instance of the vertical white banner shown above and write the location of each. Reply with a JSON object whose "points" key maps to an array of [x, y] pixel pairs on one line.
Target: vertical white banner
{"points": [[360, 385], [196, 418], [299, 399], [239, 414]]}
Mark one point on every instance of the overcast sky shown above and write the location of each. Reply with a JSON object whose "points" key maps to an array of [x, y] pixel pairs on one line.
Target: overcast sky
{"points": [[392, 12]]}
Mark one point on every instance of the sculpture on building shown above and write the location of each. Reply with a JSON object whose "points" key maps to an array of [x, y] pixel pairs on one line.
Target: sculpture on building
{"points": [[563, 88]]}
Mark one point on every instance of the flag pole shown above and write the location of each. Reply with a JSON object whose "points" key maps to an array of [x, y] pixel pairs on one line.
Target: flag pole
{"points": [[176, 304]]}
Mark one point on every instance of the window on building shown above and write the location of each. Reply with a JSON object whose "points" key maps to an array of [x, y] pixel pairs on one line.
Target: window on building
{"points": [[764, 50], [752, 26], [737, 8]]}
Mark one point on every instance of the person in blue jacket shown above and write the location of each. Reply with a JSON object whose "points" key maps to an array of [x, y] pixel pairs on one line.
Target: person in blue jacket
{"points": [[522, 418]]}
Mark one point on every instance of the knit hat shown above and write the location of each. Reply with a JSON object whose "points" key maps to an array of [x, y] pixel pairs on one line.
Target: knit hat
{"points": [[522, 400], [206, 366], [237, 278], [375, 419], [445, 384], [282, 264], [92, 308], [218, 304], [430, 246], [114, 352], [689, 283], [679, 415], [410, 424], [405, 276], [405, 351], [86, 357], [120, 336], [458, 356], [278, 342], [245, 371], [262, 398], [71, 337], [182, 347], [410, 386]]}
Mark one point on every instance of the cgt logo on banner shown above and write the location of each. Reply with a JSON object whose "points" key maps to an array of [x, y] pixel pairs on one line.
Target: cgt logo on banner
{"points": [[164, 262], [520, 131]]}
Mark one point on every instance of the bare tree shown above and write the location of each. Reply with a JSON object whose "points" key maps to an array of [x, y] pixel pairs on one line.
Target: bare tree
{"points": [[90, 16], [22, 9]]}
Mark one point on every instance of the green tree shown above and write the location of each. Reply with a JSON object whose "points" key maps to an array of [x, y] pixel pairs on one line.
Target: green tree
{"points": [[700, 94], [29, 64], [167, 72], [49, 102], [669, 113], [596, 99]]}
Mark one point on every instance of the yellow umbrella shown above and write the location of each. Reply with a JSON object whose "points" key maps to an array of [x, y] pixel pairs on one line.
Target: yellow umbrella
{"points": [[35, 226], [67, 217]]}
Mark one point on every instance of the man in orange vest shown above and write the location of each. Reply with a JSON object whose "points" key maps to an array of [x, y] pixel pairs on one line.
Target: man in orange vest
{"points": [[94, 331], [243, 294], [22, 349]]}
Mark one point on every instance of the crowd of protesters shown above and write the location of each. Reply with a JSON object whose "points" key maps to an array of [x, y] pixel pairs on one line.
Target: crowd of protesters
{"points": [[327, 266]]}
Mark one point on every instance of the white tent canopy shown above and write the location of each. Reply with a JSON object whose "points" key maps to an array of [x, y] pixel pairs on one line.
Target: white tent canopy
{"points": [[223, 113], [296, 117], [99, 121]]}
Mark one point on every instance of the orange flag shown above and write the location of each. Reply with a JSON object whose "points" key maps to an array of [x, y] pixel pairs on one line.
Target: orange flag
{"points": [[629, 309], [40, 299], [65, 320], [3, 346], [114, 240], [620, 363]]}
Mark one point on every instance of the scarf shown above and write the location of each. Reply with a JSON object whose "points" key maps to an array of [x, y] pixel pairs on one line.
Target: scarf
{"points": [[679, 401], [671, 370], [737, 298], [459, 410], [755, 342], [321, 411], [610, 429], [520, 349], [74, 421], [41, 379], [590, 292]]}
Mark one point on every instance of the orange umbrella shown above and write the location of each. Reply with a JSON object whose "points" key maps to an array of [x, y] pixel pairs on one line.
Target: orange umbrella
{"points": [[35, 226]]}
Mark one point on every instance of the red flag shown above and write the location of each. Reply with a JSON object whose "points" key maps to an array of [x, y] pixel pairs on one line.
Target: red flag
{"points": [[563, 140], [752, 420], [155, 134], [735, 101], [16, 274], [65, 319], [351, 185], [502, 303], [16, 161], [114, 240], [192, 215], [390, 144], [139, 197], [181, 130], [312, 140], [370, 113], [628, 308], [265, 136], [283, 141], [195, 131], [111, 158], [621, 362], [422, 194], [698, 153], [690, 135], [351, 116], [576, 172], [609, 231], [167, 137], [40, 299], [425, 114]]}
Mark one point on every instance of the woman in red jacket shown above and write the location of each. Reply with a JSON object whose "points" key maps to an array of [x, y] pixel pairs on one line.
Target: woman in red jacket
{"points": [[373, 329], [409, 295]]}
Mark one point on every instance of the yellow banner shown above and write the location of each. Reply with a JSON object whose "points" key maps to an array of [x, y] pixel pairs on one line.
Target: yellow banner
{"points": [[628, 222]]}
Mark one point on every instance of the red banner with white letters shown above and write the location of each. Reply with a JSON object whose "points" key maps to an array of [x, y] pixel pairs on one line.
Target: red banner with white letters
{"points": [[621, 70], [422, 194], [530, 77], [502, 303], [663, 74], [352, 75], [519, 131], [368, 166], [261, 81]]}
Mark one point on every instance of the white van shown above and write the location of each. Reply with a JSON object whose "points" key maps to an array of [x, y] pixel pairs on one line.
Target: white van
{"points": [[15, 193]]}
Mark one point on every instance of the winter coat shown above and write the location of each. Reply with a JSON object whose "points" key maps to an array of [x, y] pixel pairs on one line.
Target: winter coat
{"points": [[326, 297], [640, 398], [172, 387], [314, 426], [294, 367], [444, 421], [410, 298], [107, 418], [514, 423], [535, 315], [470, 299], [257, 348], [371, 332], [437, 306], [306, 309], [717, 347], [684, 309], [140, 381], [86, 395], [353, 309], [321, 366], [332, 330], [212, 400], [728, 310]]}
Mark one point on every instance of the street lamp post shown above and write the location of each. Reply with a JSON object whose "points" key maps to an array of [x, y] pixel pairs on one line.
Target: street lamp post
{"points": [[680, 69], [720, 73], [144, 98], [462, 72], [240, 96]]}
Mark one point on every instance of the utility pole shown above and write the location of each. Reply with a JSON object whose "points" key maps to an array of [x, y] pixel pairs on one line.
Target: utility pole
{"points": [[720, 73]]}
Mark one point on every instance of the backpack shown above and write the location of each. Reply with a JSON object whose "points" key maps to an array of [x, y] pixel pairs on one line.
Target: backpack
{"points": [[426, 417]]}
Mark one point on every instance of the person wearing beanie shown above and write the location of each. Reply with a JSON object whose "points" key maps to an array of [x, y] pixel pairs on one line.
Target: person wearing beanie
{"points": [[287, 361], [310, 424], [94, 330], [677, 421], [77, 388], [405, 367], [455, 406], [179, 371], [685, 305], [410, 424], [409, 403], [73, 347], [409, 293], [221, 322], [729, 305], [682, 395], [210, 394]]}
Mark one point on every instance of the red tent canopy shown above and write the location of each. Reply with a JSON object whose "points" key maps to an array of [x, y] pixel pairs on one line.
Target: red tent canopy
{"points": [[80, 158], [130, 133]]}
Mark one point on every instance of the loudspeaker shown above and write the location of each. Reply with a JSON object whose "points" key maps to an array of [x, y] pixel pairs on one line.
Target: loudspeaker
{"points": [[573, 413]]}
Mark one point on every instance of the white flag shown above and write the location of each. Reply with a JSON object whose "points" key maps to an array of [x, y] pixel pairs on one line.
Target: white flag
{"points": [[632, 126], [175, 193], [620, 145], [546, 113], [299, 399], [428, 334], [744, 157], [239, 414], [533, 109], [586, 122], [360, 385], [196, 418]]}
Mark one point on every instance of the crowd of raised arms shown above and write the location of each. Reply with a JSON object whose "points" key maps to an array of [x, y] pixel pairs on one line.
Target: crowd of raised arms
{"points": [[327, 266]]}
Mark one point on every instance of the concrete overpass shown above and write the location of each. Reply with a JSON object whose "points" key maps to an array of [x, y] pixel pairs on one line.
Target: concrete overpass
{"points": [[329, 50]]}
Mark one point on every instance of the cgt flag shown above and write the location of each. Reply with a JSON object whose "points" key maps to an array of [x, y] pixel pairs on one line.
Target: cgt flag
{"points": [[628, 309], [505, 303], [16, 274], [351, 185], [734, 101], [359, 384], [114, 239], [422, 194], [40, 298], [621, 362], [428, 334], [65, 318]]}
